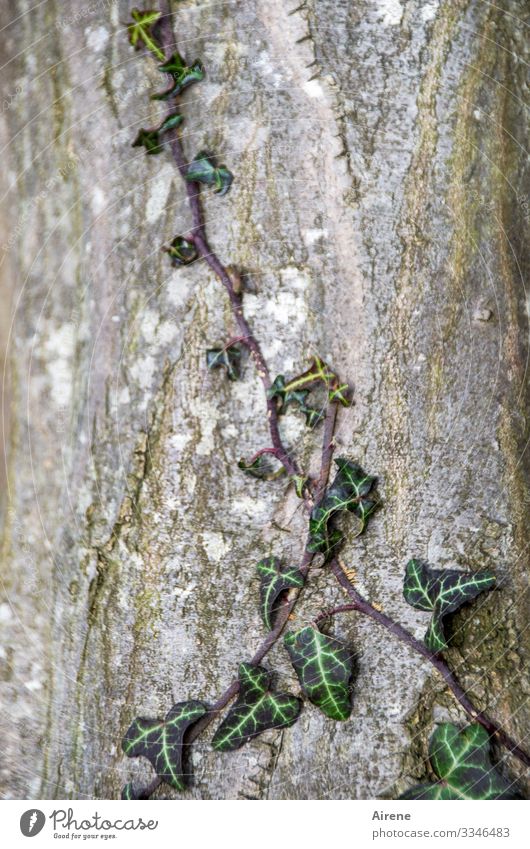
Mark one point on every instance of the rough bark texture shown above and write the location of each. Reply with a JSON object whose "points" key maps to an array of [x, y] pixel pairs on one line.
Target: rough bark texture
{"points": [[379, 209]]}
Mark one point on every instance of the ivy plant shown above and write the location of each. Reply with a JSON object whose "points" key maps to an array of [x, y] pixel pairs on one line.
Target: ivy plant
{"points": [[322, 667]]}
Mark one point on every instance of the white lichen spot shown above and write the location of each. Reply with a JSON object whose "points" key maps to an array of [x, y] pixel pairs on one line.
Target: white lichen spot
{"points": [[313, 88], [60, 348], [428, 11], [98, 200], [391, 11], [158, 194], [208, 416], [96, 38], [314, 235], [178, 441], [149, 325], [215, 545], [143, 372]]}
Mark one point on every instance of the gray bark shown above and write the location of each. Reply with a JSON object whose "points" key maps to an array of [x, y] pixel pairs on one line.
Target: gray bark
{"points": [[380, 209]]}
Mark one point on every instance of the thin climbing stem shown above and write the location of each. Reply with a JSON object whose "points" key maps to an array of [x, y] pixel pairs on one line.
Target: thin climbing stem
{"points": [[361, 605], [198, 235]]}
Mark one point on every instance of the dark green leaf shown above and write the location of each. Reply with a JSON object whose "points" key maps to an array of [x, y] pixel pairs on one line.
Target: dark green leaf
{"points": [[181, 251], [227, 358], [275, 579], [183, 75], [462, 762], [256, 709], [161, 740], [150, 139], [325, 668], [204, 170], [300, 482], [349, 491], [140, 31], [128, 791], [296, 390], [441, 591]]}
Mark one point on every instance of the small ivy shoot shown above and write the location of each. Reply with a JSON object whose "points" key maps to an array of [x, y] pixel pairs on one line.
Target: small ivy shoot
{"points": [[150, 139], [183, 75], [227, 358], [349, 491], [204, 170], [181, 251], [140, 31]]}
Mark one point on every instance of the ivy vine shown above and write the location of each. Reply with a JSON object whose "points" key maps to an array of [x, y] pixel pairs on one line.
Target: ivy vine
{"points": [[460, 759]]}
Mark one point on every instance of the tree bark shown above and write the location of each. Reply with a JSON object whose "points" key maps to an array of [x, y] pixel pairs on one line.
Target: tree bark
{"points": [[380, 212]]}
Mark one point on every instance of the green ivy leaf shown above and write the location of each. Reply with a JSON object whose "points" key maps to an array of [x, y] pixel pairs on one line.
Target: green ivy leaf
{"points": [[294, 397], [140, 31], [183, 76], [256, 710], [161, 740], [462, 762], [275, 579], [300, 482], [181, 251], [204, 170], [441, 591], [325, 668], [150, 139], [128, 791], [227, 358], [349, 491], [296, 390], [261, 468]]}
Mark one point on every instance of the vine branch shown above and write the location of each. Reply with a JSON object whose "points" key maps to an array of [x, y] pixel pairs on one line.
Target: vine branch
{"points": [[361, 605]]}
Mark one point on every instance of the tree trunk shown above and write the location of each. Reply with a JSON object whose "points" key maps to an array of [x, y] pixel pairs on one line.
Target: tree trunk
{"points": [[379, 209]]}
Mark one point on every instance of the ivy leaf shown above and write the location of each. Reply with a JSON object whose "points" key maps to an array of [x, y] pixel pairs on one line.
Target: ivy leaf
{"points": [[300, 482], [441, 591], [349, 491], [183, 75], [261, 468], [275, 579], [256, 710], [296, 390], [161, 740], [204, 170], [325, 668], [298, 397], [140, 31], [150, 139], [227, 358], [462, 762], [181, 251], [128, 791]]}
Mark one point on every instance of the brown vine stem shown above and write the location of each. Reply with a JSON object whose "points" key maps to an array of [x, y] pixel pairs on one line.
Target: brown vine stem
{"points": [[198, 236], [361, 605]]}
